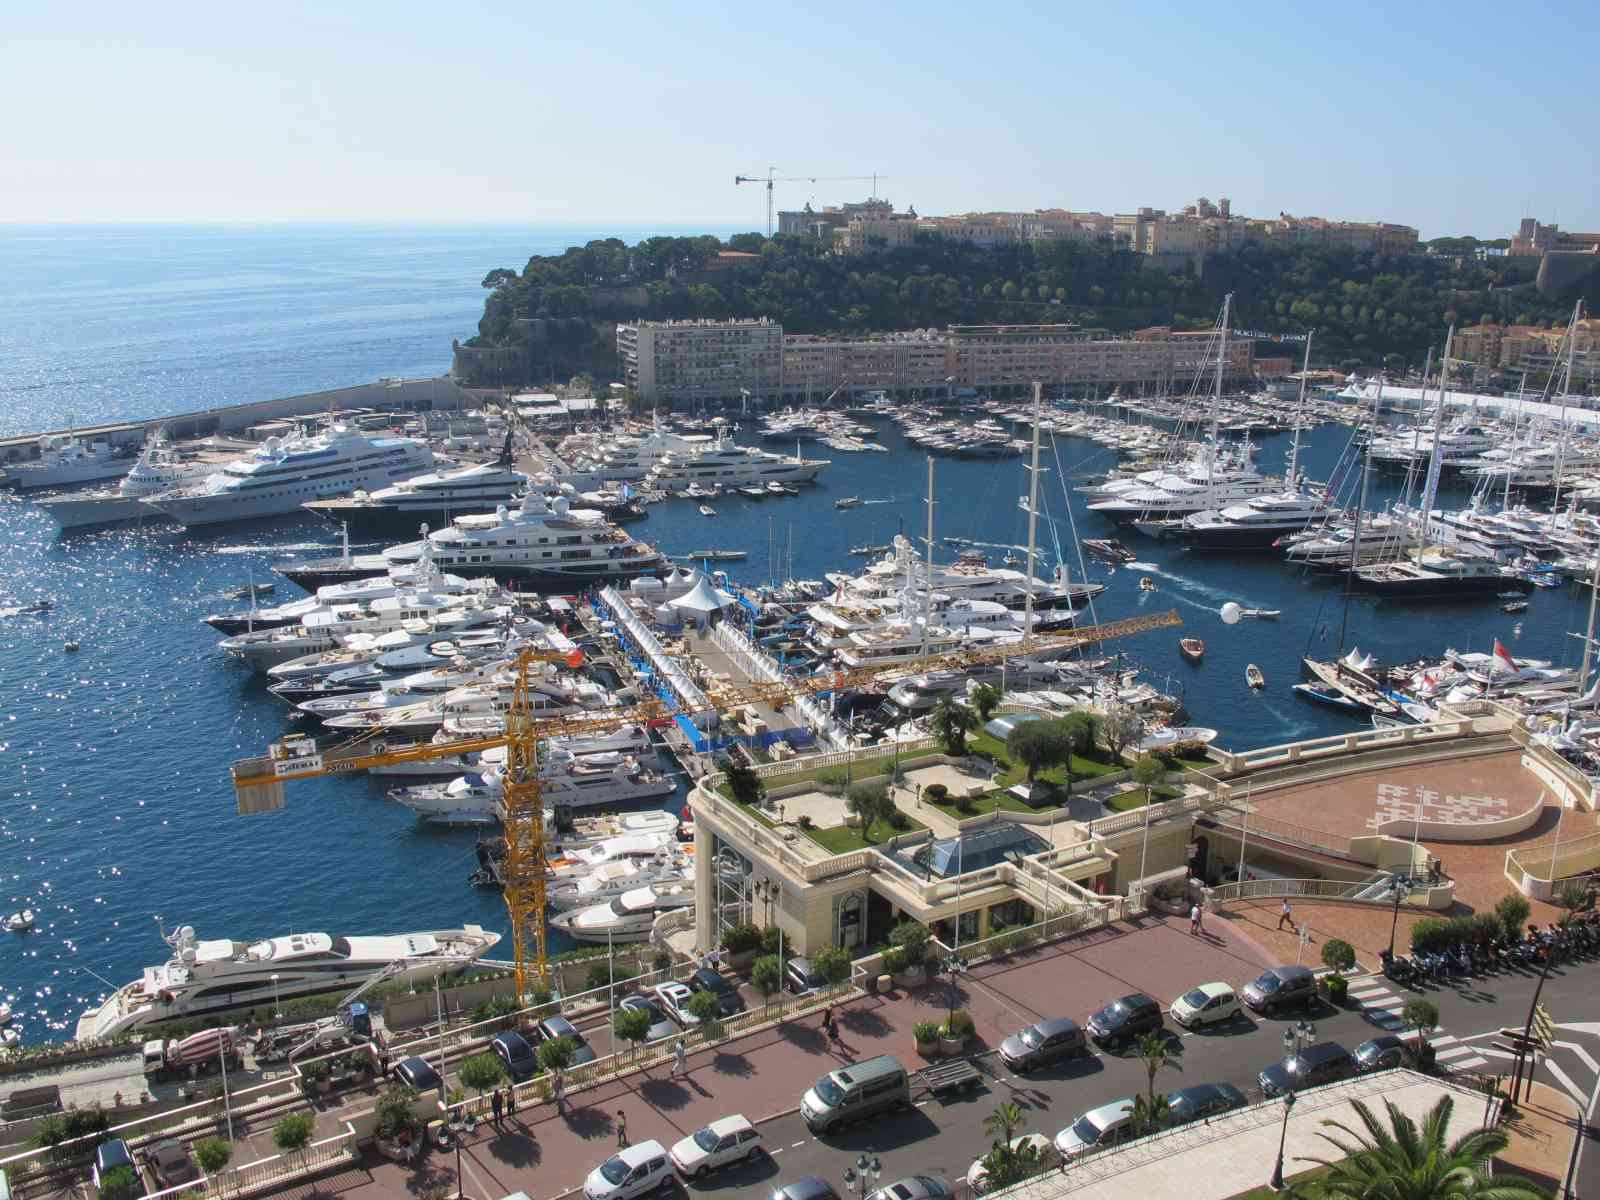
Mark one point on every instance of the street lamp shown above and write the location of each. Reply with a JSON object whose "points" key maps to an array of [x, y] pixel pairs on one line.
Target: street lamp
{"points": [[859, 1179], [1401, 886], [277, 1008], [954, 967], [766, 891], [1294, 1040]]}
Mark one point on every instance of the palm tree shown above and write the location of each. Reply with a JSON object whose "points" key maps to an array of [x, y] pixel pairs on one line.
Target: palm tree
{"points": [[1156, 1052], [1403, 1162], [1003, 1123], [951, 724], [1149, 1117]]}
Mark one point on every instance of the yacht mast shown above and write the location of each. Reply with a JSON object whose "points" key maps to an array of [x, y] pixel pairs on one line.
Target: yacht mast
{"points": [[1033, 515], [1216, 395], [1430, 489], [1566, 391], [1361, 504], [927, 591], [1299, 419]]}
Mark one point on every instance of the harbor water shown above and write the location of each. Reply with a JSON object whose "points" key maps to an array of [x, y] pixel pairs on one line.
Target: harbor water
{"points": [[115, 804]]}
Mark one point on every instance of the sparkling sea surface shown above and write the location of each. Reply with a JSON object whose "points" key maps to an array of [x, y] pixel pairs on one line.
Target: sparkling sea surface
{"points": [[115, 804]]}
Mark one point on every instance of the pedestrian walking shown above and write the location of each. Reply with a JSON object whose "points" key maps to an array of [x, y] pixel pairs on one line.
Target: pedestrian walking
{"points": [[1287, 915], [827, 1020], [495, 1105], [1200, 916], [622, 1130], [511, 1100], [680, 1059], [1194, 919], [557, 1089]]}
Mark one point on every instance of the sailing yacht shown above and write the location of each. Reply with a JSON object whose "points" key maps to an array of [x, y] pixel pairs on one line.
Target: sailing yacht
{"points": [[284, 473]]}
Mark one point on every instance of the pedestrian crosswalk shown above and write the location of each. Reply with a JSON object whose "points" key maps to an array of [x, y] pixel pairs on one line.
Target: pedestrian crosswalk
{"points": [[1383, 1007]]}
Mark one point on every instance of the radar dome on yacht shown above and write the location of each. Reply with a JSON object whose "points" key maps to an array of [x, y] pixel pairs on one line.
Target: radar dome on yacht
{"points": [[560, 506]]}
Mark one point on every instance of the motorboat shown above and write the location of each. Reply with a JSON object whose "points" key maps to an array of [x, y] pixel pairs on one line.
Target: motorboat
{"points": [[1192, 648], [435, 498], [1514, 606], [1321, 693], [1146, 584], [1110, 549], [1254, 677], [19, 922], [848, 502], [707, 511], [724, 463], [629, 917], [283, 473], [606, 881], [204, 978], [1262, 614]]}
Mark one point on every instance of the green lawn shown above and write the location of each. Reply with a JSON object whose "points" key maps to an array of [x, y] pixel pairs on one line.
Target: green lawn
{"points": [[989, 802], [1084, 769], [872, 769], [1134, 797], [841, 839], [1304, 1177]]}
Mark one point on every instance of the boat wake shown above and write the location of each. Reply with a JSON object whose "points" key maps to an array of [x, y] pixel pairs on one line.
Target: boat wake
{"points": [[1134, 564], [1193, 585], [288, 547]]}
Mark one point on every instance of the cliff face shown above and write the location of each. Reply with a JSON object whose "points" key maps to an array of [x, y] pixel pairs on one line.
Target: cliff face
{"points": [[540, 350]]}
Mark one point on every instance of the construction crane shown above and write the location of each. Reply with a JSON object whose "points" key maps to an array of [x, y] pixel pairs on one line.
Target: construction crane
{"points": [[258, 782], [771, 178]]}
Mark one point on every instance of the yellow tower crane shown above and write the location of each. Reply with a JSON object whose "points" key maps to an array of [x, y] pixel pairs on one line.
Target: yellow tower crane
{"points": [[771, 178], [258, 782]]}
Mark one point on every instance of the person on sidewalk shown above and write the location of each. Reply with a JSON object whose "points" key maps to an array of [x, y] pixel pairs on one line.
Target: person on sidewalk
{"points": [[1200, 916], [1286, 916], [511, 1100], [495, 1106], [680, 1059], [558, 1089], [827, 1021], [622, 1130]]}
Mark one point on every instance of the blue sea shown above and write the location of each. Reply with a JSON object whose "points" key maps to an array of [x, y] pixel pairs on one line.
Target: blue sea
{"points": [[115, 805]]}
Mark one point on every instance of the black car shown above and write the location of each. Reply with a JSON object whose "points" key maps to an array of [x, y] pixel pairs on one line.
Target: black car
{"points": [[812, 1187], [1324, 1062], [516, 1055], [170, 1163], [1125, 1019], [417, 1073], [800, 975], [1201, 1101], [707, 980], [1043, 1043], [1278, 988], [551, 1028], [661, 1025], [1382, 1053]]}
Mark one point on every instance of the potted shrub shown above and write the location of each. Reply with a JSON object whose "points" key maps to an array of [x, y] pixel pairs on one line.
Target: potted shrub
{"points": [[927, 1035], [953, 1034], [741, 943], [397, 1129], [1339, 955], [911, 939]]}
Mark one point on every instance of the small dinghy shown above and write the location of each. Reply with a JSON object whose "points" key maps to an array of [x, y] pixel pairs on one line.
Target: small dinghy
{"points": [[1146, 584], [707, 511], [10, 1039], [249, 590], [1254, 677], [1192, 648], [19, 922], [1264, 614], [1514, 606]]}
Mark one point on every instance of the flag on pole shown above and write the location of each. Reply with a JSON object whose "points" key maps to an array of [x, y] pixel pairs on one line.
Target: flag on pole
{"points": [[1504, 656]]}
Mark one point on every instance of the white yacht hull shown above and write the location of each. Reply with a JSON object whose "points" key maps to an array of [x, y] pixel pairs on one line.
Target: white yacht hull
{"points": [[77, 510], [277, 499], [27, 478]]}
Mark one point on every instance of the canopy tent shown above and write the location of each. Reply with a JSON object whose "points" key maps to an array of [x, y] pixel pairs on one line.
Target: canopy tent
{"points": [[702, 599]]}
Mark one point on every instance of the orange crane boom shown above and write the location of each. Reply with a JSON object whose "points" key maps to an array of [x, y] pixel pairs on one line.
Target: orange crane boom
{"points": [[258, 781]]}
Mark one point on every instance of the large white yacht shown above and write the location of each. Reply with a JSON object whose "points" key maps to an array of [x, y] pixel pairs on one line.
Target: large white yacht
{"points": [[725, 463], [1255, 524], [1462, 445], [435, 498], [203, 978], [65, 461], [284, 473], [159, 467], [969, 577], [1210, 482], [629, 917], [569, 782], [542, 544]]}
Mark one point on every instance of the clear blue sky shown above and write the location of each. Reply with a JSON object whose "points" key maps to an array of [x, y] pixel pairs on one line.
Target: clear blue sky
{"points": [[1455, 118]]}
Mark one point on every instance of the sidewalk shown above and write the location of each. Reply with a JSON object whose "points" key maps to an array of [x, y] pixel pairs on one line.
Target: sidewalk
{"points": [[1541, 1137], [763, 1075]]}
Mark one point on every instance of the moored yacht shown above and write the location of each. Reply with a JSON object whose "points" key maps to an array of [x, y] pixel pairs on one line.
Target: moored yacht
{"points": [[435, 498], [629, 917], [203, 978], [1255, 524], [728, 464], [66, 461], [159, 467]]}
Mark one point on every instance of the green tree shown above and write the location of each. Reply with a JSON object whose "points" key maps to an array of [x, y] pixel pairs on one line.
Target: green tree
{"points": [[481, 1072], [1039, 745], [911, 939], [1400, 1161], [292, 1134], [869, 800], [120, 1183], [1002, 1124], [1149, 1116], [744, 784], [1148, 772], [632, 1025], [1120, 726], [1338, 954], [984, 699], [767, 977], [213, 1154], [395, 1112], [1423, 1016], [832, 964], [707, 1009], [557, 1054], [1513, 911], [951, 723], [1156, 1052]]}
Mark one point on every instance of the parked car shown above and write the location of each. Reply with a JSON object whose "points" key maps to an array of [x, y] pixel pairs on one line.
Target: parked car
{"points": [[660, 1025], [1203, 1100], [417, 1073], [516, 1055], [633, 1171], [800, 976], [708, 980], [727, 1140], [1043, 1043], [674, 1000], [1323, 1062], [915, 1187], [1096, 1129], [170, 1163], [1037, 1143], [812, 1187], [110, 1155], [1205, 1005], [1382, 1053], [1278, 988], [1125, 1019], [856, 1092], [551, 1028]]}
